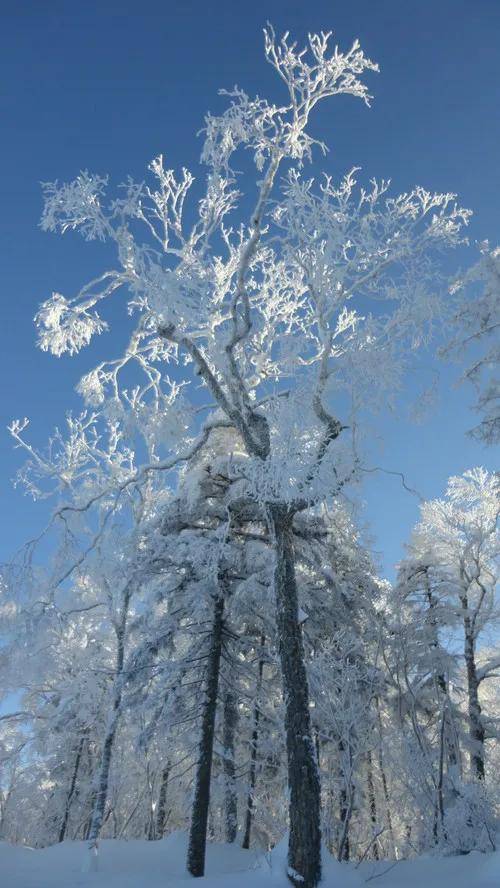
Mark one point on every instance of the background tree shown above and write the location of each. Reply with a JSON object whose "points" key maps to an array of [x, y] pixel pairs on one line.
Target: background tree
{"points": [[477, 326]]}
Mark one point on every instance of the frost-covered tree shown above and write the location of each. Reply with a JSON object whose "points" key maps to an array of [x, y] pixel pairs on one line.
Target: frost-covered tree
{"points": [[422, 671], [461, 531], [438, 622], [317, 299], [477, 333], [59, 668]]}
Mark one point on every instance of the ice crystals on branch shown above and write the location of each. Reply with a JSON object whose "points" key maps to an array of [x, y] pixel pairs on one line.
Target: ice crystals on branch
{"points": [[284, 296], [89, 457], [270, 130], [76, 205], [63, 328]]}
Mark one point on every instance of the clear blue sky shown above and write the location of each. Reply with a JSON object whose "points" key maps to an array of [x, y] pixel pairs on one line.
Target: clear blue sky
{"points": [[107, 85]]}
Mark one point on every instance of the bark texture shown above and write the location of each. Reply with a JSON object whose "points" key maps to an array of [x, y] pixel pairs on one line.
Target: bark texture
{"points": [[476, 727], [253, 753], [230, 716], [71, 792], [101, 793], [162, 802], [199, 817], [304, 851]]}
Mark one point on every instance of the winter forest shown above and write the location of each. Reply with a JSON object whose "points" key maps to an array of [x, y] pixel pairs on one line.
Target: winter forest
{"points": [[200, 645]]}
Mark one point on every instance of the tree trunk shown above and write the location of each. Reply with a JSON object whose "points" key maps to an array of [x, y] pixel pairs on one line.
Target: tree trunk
{"points": [[199, 816], [101, 793], [64, 824], [162, 802], [91, 796], [230, 718], [304, 850], [439, 813], [346, 799], [253, 754], [384, 778], [441, 680], [344, 851], [476, 727], [372, 802]]}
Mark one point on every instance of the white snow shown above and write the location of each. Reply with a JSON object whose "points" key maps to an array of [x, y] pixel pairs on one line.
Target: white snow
{"points": [[141, 864]]}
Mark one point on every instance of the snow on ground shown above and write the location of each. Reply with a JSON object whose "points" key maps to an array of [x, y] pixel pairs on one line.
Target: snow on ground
{"points": [[141, 864]]}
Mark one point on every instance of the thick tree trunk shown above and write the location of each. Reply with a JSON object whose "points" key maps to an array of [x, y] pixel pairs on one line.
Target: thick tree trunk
{"points": [[162, 802], [476, 727], [199, 816], [76, 766], [253, 753], [230, 719], [304, 850]]}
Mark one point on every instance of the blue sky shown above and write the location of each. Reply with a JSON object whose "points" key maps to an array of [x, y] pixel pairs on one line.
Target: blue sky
{"points": [[106, 86]]}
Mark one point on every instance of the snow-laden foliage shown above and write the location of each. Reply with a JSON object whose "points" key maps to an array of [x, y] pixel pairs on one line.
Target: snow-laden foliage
{"points": [[477, 332], [326, 286]]}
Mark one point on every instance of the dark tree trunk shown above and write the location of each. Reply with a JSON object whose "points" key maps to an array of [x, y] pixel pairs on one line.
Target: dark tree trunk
{"points": [[253, 753], [439, 808], [345, 812], [476, 727], [317, 746], [230, 718], [199, 817], [344, 851], [64, 824], [304, 850], [162, 802]]}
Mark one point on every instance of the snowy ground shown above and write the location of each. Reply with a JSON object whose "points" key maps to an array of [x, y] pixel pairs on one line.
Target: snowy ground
{"points": [[141, 864]]}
